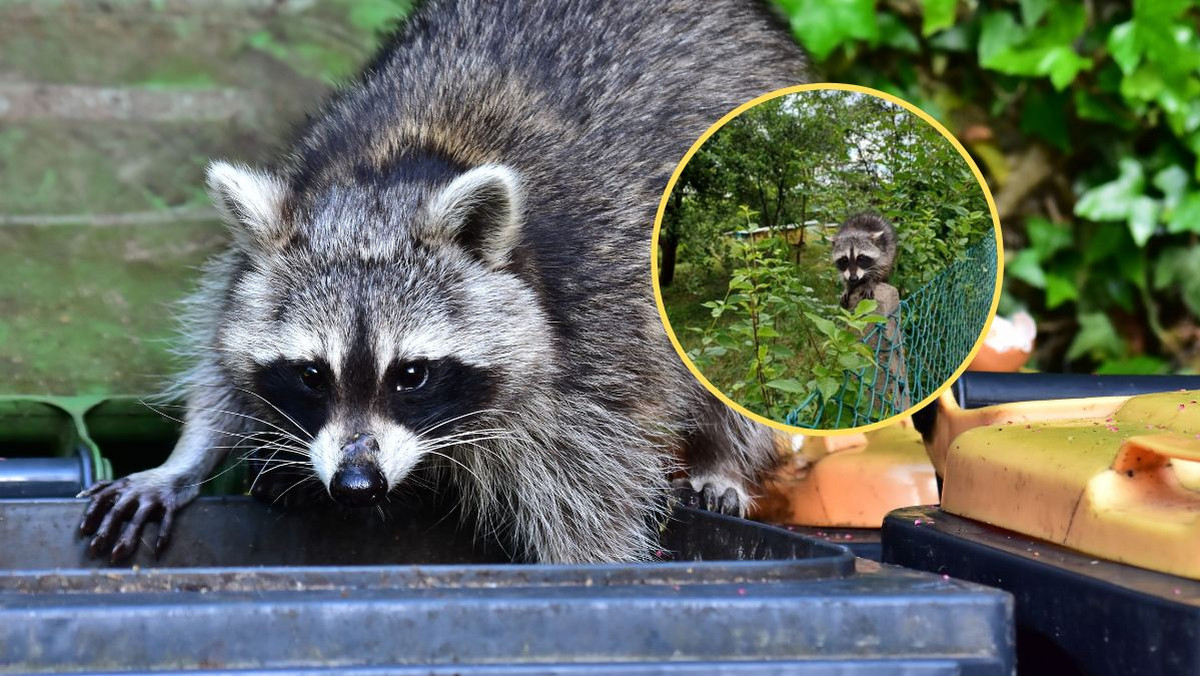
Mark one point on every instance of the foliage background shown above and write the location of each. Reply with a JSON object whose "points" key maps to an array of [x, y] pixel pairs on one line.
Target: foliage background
{"points": [[1086, 120], [1056, 101], [759, 316]]}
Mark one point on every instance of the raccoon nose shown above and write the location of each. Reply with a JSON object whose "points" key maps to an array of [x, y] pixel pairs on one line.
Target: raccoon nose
{"points": [[358, 481], [359, 484], [358, 446]]}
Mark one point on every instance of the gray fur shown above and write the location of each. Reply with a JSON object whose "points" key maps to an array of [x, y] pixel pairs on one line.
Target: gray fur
{"points": [[534, 281], [863, 235]]}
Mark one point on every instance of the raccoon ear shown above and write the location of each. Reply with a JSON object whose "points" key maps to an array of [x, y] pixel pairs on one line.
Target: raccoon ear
{"points": [[480, 210], [250, 201]]}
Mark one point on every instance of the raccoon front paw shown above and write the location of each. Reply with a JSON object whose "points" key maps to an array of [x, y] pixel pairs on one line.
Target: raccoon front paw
{"points": [[712, 494], [120, 509]]}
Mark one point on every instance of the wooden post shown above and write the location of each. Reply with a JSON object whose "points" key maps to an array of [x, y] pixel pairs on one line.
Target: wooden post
{"points": [[891, 369]]}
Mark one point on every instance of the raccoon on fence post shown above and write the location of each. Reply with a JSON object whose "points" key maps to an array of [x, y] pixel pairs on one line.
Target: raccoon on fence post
{"points": [[446, 279]]}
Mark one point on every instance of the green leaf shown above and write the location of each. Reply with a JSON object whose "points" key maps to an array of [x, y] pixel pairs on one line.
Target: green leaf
{"points": [[788, 385], [1172, 181], [999, 33], [852, 362], [1059, 290], [957, 38], [938, 14], [1100, 109], [823, 25], [1048, 49], [1096, 338], [1024, 266], [864, 306], [1107, 241], [1124, 47], [1145, 84], [1186, 217], [1180, 265], [823, 325], [782, 351], [893, 33], [1143, 217], [1062, 64], [1032, 11], [1047, 238], [1112, 201], [829, 387], [767, 332]]}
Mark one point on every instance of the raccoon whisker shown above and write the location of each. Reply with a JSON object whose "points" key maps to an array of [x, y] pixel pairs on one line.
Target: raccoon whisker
{"points": [[218, 432], [249, 454], [242, 459], [264, 469], [278, 429], [276, 462], [467, 442], [263, 440], [457, 418], [455, 461], [469, 432], [278, 410], [279, 465], [278, 448], [246, 456], [289, 488], [477, 435], [247, 416]]}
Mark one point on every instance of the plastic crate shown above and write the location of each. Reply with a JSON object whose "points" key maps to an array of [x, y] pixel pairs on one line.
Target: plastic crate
{"points": [[1075, 614], [738, 597]]}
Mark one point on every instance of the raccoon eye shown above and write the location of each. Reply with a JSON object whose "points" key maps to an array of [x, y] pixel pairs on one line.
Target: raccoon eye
{"points": [[864, 261], [312, 376], [411, 375], [842, 264]]}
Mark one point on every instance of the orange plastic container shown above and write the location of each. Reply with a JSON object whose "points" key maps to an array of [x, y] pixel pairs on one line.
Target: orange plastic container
{"points": [[1115, 477], [851, 487]]}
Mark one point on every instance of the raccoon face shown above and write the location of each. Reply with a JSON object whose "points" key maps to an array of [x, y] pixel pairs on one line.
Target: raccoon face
{"points": [[373, 338], [855, 260]]}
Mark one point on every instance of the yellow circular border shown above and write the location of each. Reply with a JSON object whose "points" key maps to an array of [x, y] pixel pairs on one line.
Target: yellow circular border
{"points": [[658, 216]]}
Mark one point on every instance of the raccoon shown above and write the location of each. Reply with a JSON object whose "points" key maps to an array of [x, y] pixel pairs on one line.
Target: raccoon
{"points": [[864, 251], [446, 280]]}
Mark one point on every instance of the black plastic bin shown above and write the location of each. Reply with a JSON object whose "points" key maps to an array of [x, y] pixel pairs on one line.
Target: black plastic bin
{"points": [[222, 599], [864, 542], [1075, 614]]}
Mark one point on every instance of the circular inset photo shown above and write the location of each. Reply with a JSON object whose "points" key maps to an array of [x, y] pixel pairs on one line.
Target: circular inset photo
{"points": [[827, 257]]}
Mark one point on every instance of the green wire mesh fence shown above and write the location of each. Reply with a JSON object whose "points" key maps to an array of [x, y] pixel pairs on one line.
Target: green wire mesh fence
{"points": [[917, 350]]}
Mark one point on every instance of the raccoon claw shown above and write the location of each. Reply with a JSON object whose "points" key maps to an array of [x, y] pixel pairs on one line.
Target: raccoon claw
{"points": [[710, 497], [119, 511], [684, 493], [721, 503]]}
